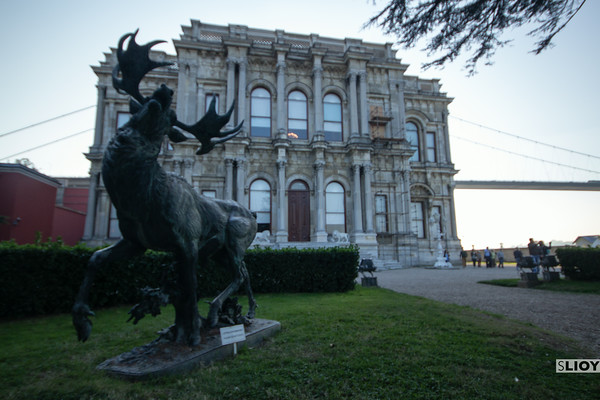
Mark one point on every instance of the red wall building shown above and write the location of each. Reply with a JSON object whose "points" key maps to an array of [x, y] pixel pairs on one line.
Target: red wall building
{"points": [[32, 202]]}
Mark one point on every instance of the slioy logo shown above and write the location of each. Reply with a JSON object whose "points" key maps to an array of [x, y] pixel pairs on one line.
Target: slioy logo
{"points": [[578, 366]]}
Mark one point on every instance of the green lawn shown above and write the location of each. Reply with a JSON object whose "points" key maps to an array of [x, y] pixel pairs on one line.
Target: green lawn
{"points": [[369, 343], [563, 285]]}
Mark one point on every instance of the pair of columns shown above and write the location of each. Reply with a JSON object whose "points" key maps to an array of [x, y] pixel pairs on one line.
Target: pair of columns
{"points": [[240, 165], [358, 197], [358, 103]]}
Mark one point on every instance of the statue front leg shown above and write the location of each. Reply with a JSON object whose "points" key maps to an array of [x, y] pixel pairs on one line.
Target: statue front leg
{"points": [[81, 310]]}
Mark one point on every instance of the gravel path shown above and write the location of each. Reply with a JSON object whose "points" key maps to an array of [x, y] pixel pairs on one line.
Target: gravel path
{"points": [[574, 315]]}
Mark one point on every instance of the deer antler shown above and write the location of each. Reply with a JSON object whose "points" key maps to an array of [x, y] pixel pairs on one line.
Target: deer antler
{"points": [[134, 63], [208, 129]]}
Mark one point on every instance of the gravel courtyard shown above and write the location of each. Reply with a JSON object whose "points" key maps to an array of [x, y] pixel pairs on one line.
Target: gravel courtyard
{"points": [[570, 314]]}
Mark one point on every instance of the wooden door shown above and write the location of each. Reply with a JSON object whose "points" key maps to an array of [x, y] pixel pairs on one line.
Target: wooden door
{"points": [[298, 213]]}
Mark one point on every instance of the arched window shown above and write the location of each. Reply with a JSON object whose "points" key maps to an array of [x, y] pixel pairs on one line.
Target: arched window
{"points": [[332, 117], [297, 115], [260, 113], [412, 135], [335, 213], [260, 203]]}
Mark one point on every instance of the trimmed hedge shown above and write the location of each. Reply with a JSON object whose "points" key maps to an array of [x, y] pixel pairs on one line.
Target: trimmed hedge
{"points": [[580, 263], [45, 278]]}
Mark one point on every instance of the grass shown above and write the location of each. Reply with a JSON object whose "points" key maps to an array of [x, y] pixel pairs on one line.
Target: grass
{"points": [[369, 343], [563, 285]]}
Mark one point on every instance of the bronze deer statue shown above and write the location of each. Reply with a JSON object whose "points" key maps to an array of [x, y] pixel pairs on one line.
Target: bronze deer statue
{"points": [[161, 211]]}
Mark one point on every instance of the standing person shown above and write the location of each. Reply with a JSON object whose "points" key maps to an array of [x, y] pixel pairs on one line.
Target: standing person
{"points": [[518, 254], [463, 257], [487, 255], [500, 258], [479, 259], [473, 256], [534, 251], [544, 250], [493, 258]]}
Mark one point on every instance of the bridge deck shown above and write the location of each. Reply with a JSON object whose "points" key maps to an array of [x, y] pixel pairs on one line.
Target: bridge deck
{"points": [[528, 185]]}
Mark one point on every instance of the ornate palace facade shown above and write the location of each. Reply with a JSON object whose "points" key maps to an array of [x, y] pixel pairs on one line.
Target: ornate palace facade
{"points": [[338, 144]]}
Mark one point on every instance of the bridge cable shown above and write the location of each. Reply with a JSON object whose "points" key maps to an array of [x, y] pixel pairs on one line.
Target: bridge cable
{"points": [[48, 120], [524, 138], [524, 155], [48, 144]]}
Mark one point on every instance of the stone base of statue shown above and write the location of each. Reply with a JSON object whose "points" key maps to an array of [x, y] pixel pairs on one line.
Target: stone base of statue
{"points": [[161, 357], [368, 281], [528, 279], [442, 263], [551, 276]]}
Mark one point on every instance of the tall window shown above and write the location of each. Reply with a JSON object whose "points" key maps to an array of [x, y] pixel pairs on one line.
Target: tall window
{"points": [[381, 213], [260, 113], [417, 220], [430, 146], [260, 203], [412, 135], [332, 118], [209, 98], [335, 214], [297, 116], [122, 118]]}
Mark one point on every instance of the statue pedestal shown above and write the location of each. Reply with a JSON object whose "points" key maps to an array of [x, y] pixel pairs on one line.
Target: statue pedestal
{"points": [[163, 358], [368, 281]]}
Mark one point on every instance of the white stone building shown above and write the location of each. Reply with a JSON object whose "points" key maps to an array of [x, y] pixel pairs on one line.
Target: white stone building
{"points": [[338, 144]]}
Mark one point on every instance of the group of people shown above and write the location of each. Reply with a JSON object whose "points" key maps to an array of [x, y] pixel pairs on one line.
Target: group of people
{"points": [[493, 259]]}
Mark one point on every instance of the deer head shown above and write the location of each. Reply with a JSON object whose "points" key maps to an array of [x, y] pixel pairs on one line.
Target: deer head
{"points": [[133, 64]]}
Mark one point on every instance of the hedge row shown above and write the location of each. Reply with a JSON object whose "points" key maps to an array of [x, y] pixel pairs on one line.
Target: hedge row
{"points": [[580, 263], [44, 279]]}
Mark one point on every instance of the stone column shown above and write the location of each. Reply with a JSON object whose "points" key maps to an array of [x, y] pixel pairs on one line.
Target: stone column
{"points": [[281, 128], [230, 88], [357, 206], [364, 112], [282, 235], [321, 233], [353, 109], [453, 229], [318, 96], [241, 100], [201, 101], [241, 180], [406, 199], [446, 134], [91, 211], [401, 108], [187, 169], [368, 199], [99, 117], [102, 215], [228, 192], [399, 203], [110, 118]]}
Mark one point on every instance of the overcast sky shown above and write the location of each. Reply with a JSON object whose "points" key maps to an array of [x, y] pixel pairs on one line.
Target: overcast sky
{"points": [[549, 99]]}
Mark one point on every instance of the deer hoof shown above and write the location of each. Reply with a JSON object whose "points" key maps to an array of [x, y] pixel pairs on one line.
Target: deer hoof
{"points": [[81, 322]]}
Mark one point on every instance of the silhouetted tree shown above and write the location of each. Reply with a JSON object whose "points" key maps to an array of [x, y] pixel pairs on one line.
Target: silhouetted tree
{"points": [[454, 26]]}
